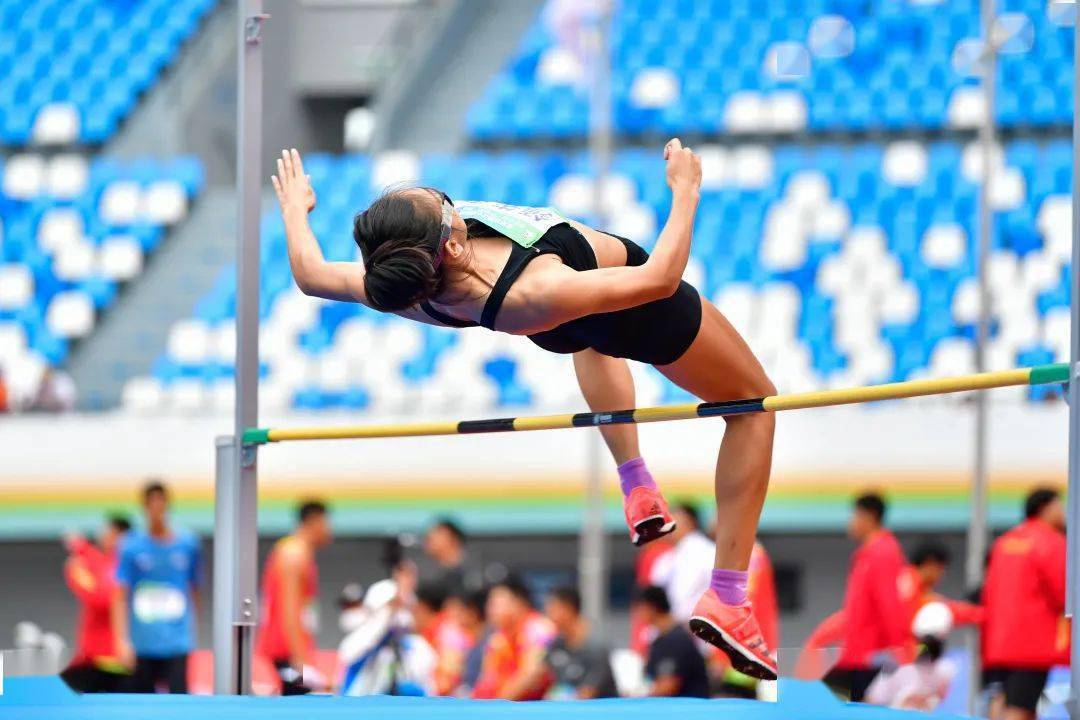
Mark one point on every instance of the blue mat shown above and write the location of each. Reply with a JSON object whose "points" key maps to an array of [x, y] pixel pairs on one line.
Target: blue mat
{"points": [[47, 698]]}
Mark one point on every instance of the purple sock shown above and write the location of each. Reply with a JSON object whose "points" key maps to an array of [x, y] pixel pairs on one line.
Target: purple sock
{"points": [[730, 585], [634, 474]]}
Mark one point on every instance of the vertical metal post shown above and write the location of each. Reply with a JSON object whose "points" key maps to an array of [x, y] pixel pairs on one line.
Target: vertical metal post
{"points": [[592, 562], [225, 504], [1072, 593], [977, 529], [236, 529], [592, 565]]}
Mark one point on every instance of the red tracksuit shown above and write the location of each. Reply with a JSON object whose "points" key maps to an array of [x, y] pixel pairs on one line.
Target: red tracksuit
{"points": [[1024, 598], [874, 616], [90, 574]]}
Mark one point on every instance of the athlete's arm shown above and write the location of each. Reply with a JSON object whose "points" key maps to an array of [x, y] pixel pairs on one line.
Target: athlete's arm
{"points": [[119, 616], [569, 295], [290, 573], [313, 274]]}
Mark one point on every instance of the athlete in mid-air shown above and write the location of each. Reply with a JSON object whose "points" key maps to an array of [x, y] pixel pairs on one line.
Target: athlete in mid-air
{"points": [[572, 289]]}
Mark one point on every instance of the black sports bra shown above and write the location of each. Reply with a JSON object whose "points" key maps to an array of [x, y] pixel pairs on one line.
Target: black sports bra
{"points": [[562, 240], [658, 332]]}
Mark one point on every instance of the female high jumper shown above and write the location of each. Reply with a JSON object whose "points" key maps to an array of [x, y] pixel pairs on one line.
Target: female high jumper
{"points": [[572, 289]]}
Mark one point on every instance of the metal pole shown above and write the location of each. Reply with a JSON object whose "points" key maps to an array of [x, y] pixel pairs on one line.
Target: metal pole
{"points": [[592, 566], [592, 561], [1072, 594], [225, 504], [236, 532], [977, 530]]}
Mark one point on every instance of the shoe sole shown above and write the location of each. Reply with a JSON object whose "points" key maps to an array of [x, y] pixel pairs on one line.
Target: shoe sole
{"points": [[649, 529], [741, 658]]}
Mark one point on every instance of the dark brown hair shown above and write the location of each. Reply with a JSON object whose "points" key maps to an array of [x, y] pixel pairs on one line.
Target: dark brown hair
{"points": [[398, 236]]}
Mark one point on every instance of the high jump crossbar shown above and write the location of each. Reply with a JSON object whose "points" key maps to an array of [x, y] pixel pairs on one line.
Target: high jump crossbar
{"points": [[1038, 375]]}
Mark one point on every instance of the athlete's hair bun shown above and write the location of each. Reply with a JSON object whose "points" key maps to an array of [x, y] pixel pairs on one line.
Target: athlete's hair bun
{"points": [[398, 236]]}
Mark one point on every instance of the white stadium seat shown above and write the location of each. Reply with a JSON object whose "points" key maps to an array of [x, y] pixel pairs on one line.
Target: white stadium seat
{"points": [[70, 314], [142, 395], [807, 190], [359, 127], [636, 221], [830, 221], [60, 227], [753, 167], [12, 341], [900, 304], [334, 372], [738, 303], [971, 161], [164, 202], [786, 111], [187, 395], [24, 176], [75, 261], [395, 168], [560, 66], [23, 375], [904, 163], [715, 166], [654, 88], [1039, 272], [56, 124], [67, 176], [572, 194], [120, 257], [944, 245], [16, 286], [967, 107], [1007, 189], [223, 343], [746, 112], [1054, 222], [120, 202], [966, 302], [189, 341]]}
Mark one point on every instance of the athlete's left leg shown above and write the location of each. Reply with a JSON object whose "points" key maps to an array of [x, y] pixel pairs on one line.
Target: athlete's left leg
{"points": [[607, 384], [719, 365]]}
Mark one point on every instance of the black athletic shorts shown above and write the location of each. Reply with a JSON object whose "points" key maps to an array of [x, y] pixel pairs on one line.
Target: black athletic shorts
{"points": [[1021, 688]]}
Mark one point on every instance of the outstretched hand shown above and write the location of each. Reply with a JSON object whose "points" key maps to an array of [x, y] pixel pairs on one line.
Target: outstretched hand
{"points": [[683, 167], [293, 187]]}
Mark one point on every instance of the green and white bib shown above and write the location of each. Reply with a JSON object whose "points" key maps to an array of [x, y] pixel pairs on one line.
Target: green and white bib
{"points": [[522, 224]]}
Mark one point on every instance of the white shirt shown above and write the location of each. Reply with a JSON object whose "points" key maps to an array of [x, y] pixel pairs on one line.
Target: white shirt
{"points": [[685, 572], [917, 686]]}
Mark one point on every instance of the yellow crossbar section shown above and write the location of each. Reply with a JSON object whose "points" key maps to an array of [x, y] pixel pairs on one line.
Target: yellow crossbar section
{"points": [[1040, 375], [896, 391]]}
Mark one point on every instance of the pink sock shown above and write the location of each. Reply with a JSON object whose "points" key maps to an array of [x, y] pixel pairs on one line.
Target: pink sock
{"points": [[730, 585], [634, 474]]}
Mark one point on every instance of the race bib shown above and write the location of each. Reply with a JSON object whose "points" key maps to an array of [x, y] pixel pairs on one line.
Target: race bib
{"points": [[156, 602], [522, 224]]}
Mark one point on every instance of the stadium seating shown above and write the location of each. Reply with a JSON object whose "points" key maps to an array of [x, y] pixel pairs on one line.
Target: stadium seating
{"points": [[71, 231], [842, 265], [73, 69], [752, 66]]}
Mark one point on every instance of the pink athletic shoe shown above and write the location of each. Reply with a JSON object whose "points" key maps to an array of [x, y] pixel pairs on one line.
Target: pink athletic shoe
{"points": [[647, 515], [733, 629]]}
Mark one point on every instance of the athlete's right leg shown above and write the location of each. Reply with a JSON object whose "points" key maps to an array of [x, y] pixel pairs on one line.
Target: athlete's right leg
{"points": [[607, 384]]}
